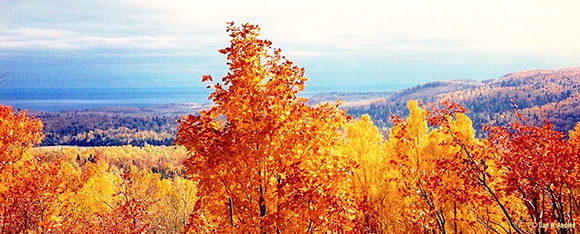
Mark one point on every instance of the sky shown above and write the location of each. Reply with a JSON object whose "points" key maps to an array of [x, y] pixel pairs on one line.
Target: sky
{"points": [[372, 44]]}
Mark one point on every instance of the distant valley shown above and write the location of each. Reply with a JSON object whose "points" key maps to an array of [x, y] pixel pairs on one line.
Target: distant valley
{"points": [[537, 94]]}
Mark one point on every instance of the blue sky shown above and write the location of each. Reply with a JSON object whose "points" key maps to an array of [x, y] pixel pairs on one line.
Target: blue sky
{"points": [[149, 43]]}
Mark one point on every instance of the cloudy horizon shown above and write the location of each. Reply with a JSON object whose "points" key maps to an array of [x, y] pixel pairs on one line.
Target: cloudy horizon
{"points": [[150, 43]]}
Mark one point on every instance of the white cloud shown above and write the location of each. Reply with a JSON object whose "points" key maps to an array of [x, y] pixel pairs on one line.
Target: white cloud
{"points": [[54, 39], [377, 33], [351, 26]]}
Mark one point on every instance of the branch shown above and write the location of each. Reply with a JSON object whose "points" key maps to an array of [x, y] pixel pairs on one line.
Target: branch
{"points": [[2, 77], [480, 177], [484, 222]]}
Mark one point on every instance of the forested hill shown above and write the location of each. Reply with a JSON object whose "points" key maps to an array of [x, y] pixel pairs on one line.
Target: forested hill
{"points": [[108, 126], [537, 94]]}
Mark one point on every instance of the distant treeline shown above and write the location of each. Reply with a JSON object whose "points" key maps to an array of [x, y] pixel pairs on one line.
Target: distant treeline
{"points": [[102, 129]]}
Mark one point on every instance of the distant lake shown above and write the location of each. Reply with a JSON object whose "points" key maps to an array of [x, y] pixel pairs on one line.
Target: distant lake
{"points": [[57, 99]]}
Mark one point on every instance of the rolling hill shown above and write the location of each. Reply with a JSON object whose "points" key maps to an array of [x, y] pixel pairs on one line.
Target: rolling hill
{"points": [[538, 94]]}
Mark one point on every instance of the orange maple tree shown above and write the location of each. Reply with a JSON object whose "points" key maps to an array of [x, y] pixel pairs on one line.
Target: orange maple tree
{"points": [[29, 187], [18, 133], [541, 172], [264, 159]]}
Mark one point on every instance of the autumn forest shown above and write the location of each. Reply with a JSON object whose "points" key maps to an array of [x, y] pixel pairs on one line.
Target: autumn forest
{"points": [[262, 159]]}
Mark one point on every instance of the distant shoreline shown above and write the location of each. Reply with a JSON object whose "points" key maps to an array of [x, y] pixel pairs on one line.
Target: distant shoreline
{"points": [[69, 99]]}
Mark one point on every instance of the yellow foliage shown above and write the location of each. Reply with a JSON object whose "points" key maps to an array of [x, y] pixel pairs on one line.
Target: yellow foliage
{"points": [[575, 135], [431, 185]]}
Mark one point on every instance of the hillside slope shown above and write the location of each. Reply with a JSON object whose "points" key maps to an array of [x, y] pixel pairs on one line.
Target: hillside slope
{"points": [[431, 90], [537, 94]]}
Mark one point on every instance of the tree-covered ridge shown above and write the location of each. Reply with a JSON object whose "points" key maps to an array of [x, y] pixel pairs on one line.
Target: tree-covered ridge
{"points": [[537, 94], [85, 128], [115, 126]]}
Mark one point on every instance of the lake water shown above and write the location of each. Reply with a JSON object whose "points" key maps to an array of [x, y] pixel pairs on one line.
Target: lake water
{"points": [[48, 99]]}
